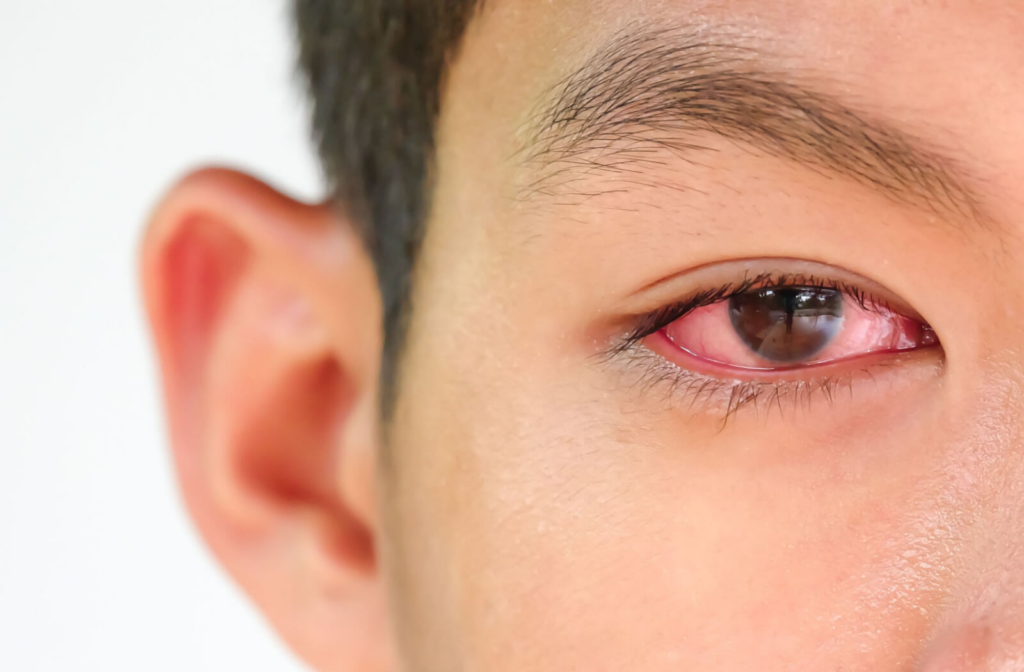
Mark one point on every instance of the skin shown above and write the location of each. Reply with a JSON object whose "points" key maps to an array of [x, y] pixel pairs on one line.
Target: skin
{"points": [[534, 506]]}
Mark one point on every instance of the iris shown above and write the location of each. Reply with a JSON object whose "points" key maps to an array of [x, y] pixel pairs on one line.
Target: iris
{"points": [[789, 324]]}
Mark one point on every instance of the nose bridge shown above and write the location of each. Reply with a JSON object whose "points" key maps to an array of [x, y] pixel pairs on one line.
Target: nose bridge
{"points": [[990, 642], [983, 627], [998, 385], [980, 627], [996, 444], [993, 458]]}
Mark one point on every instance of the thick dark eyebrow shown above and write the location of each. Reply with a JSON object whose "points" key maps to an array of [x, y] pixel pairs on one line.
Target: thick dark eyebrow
{"points": [[651, 91]]}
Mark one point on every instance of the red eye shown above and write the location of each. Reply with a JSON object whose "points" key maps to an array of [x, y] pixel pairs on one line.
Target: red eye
{"points": [[789, 327]]}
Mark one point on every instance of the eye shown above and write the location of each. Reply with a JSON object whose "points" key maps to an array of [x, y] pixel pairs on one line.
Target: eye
{"points": [[786, 327]]}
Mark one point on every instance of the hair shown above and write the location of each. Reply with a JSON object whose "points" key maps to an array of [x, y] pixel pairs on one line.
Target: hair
{"points": [[374, 71]]}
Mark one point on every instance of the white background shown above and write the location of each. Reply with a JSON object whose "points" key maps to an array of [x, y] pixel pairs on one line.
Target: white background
{"points": [[102, 105]]}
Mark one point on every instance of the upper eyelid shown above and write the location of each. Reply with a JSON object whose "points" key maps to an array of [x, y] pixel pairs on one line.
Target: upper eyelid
{"points": [[732, 271]]}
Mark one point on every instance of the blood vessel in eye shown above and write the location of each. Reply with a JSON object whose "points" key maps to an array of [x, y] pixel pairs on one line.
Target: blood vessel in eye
{"points": [[787, 324]]}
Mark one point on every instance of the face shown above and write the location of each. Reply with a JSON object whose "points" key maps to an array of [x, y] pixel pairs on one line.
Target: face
{"points": [[715, 358], [713, 361]]}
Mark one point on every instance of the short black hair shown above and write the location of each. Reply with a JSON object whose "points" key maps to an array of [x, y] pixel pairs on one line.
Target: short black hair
{"points": [[375, 70]]}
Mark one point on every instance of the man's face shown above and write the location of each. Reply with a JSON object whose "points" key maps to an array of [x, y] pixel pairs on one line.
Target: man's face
{"points": [[566, 491]]}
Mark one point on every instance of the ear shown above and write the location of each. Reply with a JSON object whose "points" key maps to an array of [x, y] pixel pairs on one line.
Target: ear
{"points": [[266, 317]]}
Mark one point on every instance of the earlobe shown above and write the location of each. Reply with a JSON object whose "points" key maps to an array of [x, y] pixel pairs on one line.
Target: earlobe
{"points": [[267, 321]]}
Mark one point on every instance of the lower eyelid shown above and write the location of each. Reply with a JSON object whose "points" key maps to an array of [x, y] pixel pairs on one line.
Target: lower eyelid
{"points": [[782, 391]]}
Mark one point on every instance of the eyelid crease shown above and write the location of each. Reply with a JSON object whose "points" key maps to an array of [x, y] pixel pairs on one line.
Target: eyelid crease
{"points": [[667, 289], [792, 266]]}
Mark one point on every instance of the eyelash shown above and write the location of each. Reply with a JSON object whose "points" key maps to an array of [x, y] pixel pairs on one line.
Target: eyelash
{"points": [[690, 387]]}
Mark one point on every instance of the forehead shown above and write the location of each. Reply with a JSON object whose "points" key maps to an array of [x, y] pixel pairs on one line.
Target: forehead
{"points": [[529, 41]]}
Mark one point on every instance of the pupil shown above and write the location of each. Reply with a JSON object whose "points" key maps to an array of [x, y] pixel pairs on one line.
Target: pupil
{"points": [[788, 324]]}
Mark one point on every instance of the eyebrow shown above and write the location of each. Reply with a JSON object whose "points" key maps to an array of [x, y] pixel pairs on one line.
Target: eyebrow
{"points": [[649, 91]]}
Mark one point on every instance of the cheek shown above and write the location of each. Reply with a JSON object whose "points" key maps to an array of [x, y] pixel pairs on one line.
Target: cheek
{"points": [[546, 529]]}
